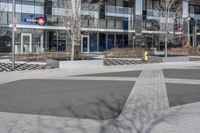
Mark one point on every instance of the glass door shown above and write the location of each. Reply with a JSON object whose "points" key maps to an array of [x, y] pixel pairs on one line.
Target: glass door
{"points": [[26, 42], [85, 44]]}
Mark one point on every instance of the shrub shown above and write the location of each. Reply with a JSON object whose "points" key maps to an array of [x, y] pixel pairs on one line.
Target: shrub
{"points": [[41, 56], [124, 53]]}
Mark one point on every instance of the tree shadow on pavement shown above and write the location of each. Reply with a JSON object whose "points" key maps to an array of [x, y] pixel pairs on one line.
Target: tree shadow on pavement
{"points": [[141, 119]]}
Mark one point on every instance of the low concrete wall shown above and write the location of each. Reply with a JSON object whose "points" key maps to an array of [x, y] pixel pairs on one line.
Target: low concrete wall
{"points": [[76, 63], [169, 59], [176, 59], [155, 59], [81, 63], [52, 63], [194, 58]]}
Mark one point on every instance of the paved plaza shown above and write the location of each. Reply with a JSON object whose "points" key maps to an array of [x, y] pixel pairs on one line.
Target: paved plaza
{"points": [[67, 98], [151, 98]]}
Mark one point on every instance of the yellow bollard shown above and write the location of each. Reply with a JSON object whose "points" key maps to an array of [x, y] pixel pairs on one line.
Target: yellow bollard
{"points": [[145, 56]]}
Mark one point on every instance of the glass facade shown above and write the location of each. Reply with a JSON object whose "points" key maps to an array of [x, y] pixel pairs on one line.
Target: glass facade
{"points": [[109, 26]]}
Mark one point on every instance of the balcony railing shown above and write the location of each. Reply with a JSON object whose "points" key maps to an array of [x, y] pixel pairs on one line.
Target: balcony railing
{"points": [[117, 10], [160, 14], [196, 16], [160, 25], [106, 24]]}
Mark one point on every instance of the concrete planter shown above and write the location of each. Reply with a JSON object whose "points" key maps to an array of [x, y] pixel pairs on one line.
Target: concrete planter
{"points": [[73, 64], [169, 59]]}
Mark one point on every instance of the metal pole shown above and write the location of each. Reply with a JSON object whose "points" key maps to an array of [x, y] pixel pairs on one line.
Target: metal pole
{"points": [[193, 35], [13, 35], [133, 42], [166, 32], [189, 31]]}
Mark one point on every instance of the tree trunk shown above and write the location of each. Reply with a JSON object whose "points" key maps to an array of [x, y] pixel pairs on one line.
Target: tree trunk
{"points": [[72, 50], [166, 41]]}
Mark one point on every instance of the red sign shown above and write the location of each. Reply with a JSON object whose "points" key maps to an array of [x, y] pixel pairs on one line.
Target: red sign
{"points": [[41, 20], [180, 29]]}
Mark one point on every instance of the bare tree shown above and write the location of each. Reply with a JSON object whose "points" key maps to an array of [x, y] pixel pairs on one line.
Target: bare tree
{"points": [[170, 8], [167, 20], [74, 14], [1, 16]]}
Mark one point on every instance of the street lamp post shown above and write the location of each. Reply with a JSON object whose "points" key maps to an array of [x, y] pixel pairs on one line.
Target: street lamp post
{"points": [[13, 35], [188, 24]]}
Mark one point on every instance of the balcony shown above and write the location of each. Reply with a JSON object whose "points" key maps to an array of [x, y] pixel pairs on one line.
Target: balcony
{"points": [[117, 11], [106, 24], [196, 16], [156, 14], [158, 25]]}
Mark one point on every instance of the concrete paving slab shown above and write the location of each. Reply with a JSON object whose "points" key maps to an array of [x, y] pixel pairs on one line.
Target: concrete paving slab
{"points": [[182, 73], [117, 74], [182, 81], [69, 98], [180, 94]]}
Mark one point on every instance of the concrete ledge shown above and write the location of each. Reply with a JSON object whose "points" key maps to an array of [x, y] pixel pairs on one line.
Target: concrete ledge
{"points": [[76, 63], [169, 59], [194, 58], [52, 63], [176, 59]]}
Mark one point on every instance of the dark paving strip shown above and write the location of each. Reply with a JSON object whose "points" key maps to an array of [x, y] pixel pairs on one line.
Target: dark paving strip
{"points": [[182, 73], [68, 98], [180, 94], [117, 74]]}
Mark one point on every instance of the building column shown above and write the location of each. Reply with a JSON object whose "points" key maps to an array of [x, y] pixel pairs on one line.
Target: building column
{"points": [[106, 41], [98, 42], [138, 21], [46, 47], [115, 40], [186, 23], [123, 45], [57, 40]]}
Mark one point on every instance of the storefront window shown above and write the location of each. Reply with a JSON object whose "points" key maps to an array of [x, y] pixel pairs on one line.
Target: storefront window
{"points": [[119, 41], [110, 41], [93, 42], [102, 42], [5, 40]]}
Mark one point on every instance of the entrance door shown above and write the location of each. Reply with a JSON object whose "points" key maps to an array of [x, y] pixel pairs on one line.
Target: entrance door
{"points": [[26, 42], [85, 44]]}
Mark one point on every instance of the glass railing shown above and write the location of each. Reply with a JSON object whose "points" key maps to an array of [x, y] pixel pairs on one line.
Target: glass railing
{"points": [[196, 16], [117, 9], [106, 23], [160, 25], [160, 14]]}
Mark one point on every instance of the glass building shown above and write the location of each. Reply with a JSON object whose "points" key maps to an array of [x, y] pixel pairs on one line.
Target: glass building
{"points": [[116, 24]]}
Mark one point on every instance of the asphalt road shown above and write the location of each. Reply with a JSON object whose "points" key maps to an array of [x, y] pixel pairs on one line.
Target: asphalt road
{"points": [[68, 98]]}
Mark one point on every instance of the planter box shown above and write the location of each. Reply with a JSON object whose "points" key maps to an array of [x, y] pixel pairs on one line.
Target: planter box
{"points": [[195, 58], [169, 59], [73, 64]]}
